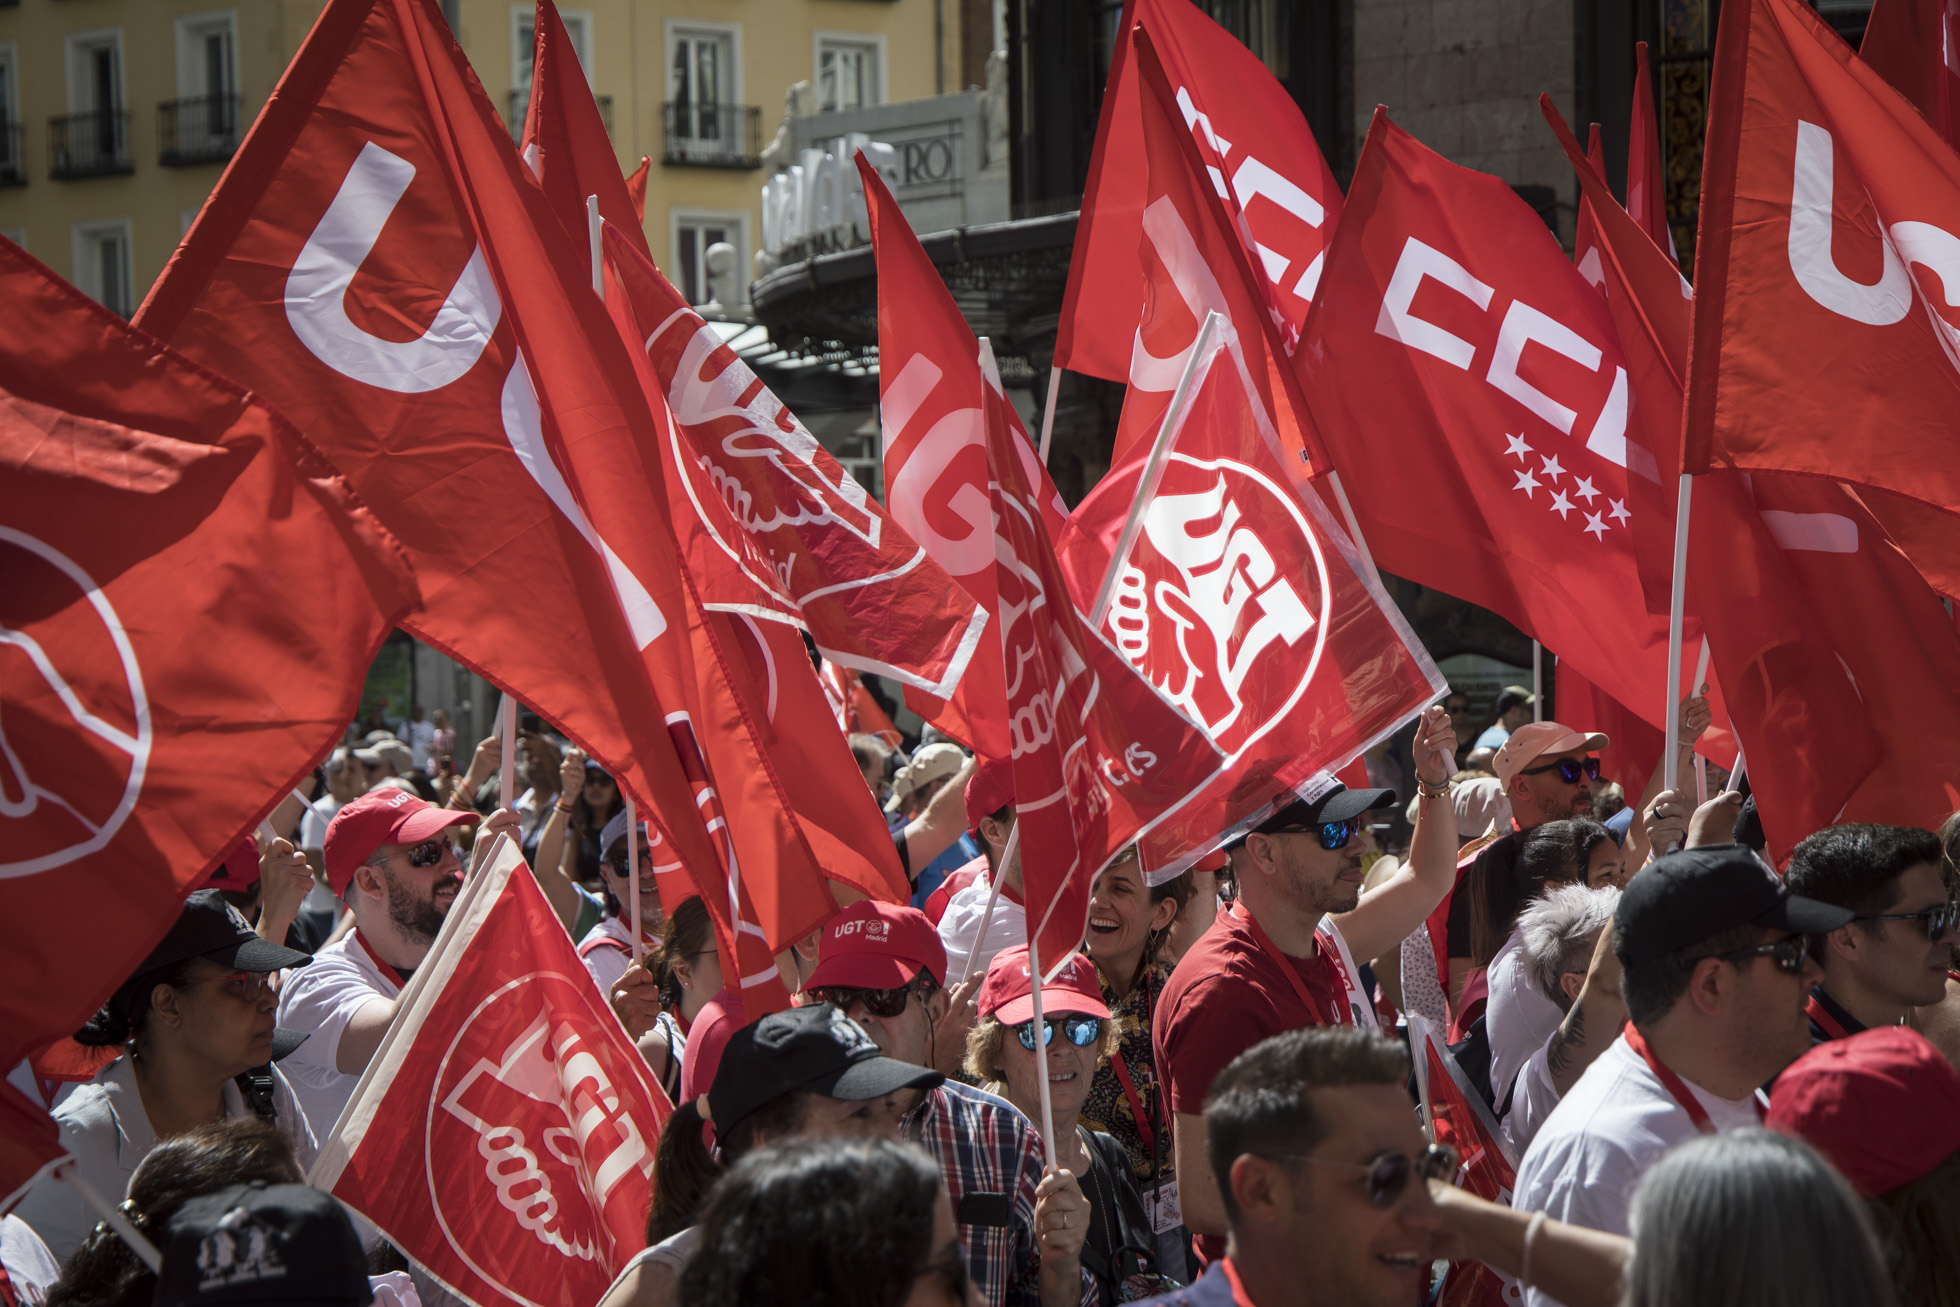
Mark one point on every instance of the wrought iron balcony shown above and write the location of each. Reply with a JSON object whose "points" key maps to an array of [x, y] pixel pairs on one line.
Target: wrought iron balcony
{"points": [[94, 144], [520, 102], [713, 135], [201, 129], [13, 166]]}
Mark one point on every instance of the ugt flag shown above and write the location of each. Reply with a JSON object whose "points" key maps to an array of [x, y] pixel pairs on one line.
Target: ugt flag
{"points": [[503, 1135]]}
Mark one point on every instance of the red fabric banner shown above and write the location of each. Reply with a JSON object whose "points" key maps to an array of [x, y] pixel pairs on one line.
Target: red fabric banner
{"points": [[1264, 162], [1915, 45], [1458, 1118], [503, 1135], [192, 600], [1646, 188]]}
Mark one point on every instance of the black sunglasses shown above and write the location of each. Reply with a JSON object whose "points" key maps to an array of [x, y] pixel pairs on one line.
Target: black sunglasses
{"points": [[1937, 920], [1081, 1031], [1333, 834], [1388, 1175], [1569, 769], [1788, 953], [429, 853], [885, 1003]]}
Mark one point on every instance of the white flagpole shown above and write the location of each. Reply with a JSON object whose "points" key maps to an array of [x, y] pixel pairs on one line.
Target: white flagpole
{"points": [[1741, 768], [1041, 1052], [993, 896], [1048, 412], [1670, 764], [1153, 468], [1537, 682], [70, 1174], [633, 877], [507, 774], [593, 242], [1353, 524]]}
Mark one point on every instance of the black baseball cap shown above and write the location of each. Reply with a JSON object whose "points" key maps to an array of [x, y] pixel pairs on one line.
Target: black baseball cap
{"points": [[1684, 898], [1316, 802], [207, 927], [816, 1048], [257, 1244]]}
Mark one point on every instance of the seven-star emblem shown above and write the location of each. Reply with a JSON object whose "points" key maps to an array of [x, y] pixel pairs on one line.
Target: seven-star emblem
{"points": [[1595, 526], [1585, 489], [1552, 468], [1526, 482], [1560, 504], [1516, 446], [1619, 511]]}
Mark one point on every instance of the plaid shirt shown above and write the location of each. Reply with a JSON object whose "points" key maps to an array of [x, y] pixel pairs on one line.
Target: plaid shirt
{"points": [[985, 1146]]}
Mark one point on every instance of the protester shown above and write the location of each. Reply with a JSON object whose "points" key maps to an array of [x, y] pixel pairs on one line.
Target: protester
{"points": [[103, 1271], [1714, 968], [1563, 1015], [686, 971], [1008, 1052], [1895, 954], [607, 948], [1284, 956], [804, 1071], [892, 983], [196, 1021], [829, 1223], [597, 802], [1751, 1218], [1884, 1107], [990, 807], [266, 1244], [1456, 705], [421, 735], [537, 763], [1513, 709], [1129, 933], [346, 781], [27, 1268], [934, 769], [1321, 1172], [389, 859]]}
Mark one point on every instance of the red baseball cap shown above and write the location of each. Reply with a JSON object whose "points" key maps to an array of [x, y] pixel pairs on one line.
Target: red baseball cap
{"points": [[1883, 1106], [989, 789], [384, 815], [1008, 993], [873, 945], [239, 870]]}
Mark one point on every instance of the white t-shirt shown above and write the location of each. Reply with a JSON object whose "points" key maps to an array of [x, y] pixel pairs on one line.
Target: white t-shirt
{"points": [[607, 950], [421, 737], [104, 1124], [30, 1266], [321, 999], [1610, 1128], [960, 926], [1518, 1017], [1533, 1096]]}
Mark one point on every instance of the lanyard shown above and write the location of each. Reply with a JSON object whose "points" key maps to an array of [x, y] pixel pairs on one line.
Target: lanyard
{"points": [[1674, 1084], [386, 970], [1343, 1010], [1137, 1113], [1831, 1025]]}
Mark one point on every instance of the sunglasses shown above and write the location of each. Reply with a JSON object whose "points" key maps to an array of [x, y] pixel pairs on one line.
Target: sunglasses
{"points": [[1569, 769], [885, 1003], [1788, 953], [429, 853], [1388, 1175], [1081, 1031], [247, 985], [1937, 920], [1333, 834]]}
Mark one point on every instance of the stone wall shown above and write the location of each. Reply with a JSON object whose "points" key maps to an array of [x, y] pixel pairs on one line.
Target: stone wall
{"points": [[1463, 77]]}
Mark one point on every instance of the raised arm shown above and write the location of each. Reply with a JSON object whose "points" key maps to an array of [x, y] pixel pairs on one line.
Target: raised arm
{"points": [[938, 828], [1392, 910], [549, 864]]}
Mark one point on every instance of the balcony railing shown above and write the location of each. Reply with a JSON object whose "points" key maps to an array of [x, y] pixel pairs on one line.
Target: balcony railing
{"points": [[520, 102], [13, 167], [202, 129], [713, 135], [92, 144]]}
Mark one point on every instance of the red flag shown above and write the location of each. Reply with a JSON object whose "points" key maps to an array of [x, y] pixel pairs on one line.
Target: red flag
{"points": [[505, 442], [1263, 160], [1097, 754], [30, 1145], [1457, 1117], [773, 526], [1646, 188], [1634, 746], [1826, 266], [565, 141], [636, 187], [192, 600], [1471, 387], [1915, 45], [929, 389], [857, 712], [503, 1134]]}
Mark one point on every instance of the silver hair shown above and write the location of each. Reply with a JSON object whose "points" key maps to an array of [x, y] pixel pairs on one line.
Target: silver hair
{"points": [[1748, 1218], [1560, 931]]}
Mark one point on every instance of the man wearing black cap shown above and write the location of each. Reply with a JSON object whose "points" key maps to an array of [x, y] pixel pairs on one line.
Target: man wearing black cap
{"points": [[1284, 957], [197, 1035], [1715, 969], [258, 1245]]}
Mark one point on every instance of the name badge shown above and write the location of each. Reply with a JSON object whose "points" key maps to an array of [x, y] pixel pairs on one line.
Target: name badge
{"points": [[1162, 1207]]}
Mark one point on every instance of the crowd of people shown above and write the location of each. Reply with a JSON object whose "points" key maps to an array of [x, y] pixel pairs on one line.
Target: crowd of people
{"points": [[1716, 1081]]}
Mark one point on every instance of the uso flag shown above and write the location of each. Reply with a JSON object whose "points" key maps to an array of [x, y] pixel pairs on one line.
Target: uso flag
{"points": [[503, 1135]]}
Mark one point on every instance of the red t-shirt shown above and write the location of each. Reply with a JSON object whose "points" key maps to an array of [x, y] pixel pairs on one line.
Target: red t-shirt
{"points": [[1226, 995], [717, 1021]]}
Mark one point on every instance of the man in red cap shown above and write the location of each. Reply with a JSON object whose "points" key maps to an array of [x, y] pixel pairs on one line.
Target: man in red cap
{"points": [[882, 966], [977, 922], [1882, 1105], [388, 858]]}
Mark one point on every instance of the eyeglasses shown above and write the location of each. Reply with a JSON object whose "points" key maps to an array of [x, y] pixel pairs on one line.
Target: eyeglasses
{"points": [[1569, 769], [1937, 920], [619, 864], [246, 985], [885, 1003], [429, 853], [1788, 953], [1081, 1031], [1388, 1175], [1333, 834]]}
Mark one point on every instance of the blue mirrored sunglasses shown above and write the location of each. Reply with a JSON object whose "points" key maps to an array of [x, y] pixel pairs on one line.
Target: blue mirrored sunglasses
{"points": [[1081, 1031]]}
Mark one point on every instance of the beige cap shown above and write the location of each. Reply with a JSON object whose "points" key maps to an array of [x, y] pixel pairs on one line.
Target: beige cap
{"points": [[1535, 739], [931, 763]]}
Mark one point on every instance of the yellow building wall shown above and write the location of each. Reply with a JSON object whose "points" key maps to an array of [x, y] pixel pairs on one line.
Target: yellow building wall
{"points": [[775, 48]]}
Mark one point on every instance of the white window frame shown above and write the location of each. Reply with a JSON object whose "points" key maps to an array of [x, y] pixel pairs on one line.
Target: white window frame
{"points": [[873, 41], [191, 29], [736, 220], [76, 48], [83, 245], [523, 42], [676, 28], [10, 98], [18, 235]]}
